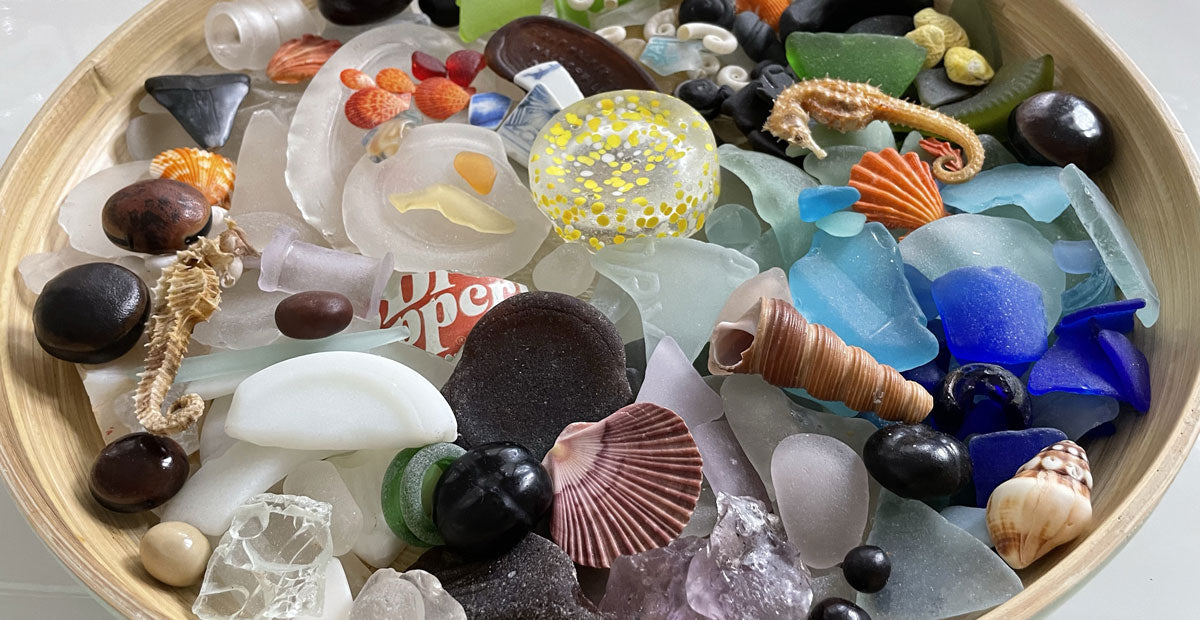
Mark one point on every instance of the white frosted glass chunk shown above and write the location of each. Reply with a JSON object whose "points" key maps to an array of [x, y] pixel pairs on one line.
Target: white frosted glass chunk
{"points": [[321, 481]]}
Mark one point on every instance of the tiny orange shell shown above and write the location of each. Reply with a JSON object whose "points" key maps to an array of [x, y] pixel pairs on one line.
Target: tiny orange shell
{"points": [[439, 98], [937, 148], [767, 10], [353, 78], [297, 60], [896, 190], [369, 107], [395, 80], [208, 172]]}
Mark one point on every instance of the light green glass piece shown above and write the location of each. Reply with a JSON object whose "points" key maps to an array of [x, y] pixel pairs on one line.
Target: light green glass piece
{"points": [[1117, 246], [776, 185], [765, 252], [661, 275], [834, 169], [479, 17], [732, 226], [891, 63], [406, 505]]}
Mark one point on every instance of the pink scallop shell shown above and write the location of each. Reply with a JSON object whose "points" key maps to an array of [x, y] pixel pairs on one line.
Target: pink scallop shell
{"points": [[623, 485]]}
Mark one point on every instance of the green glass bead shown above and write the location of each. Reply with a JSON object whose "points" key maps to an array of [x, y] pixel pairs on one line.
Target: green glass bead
{"points": [[885, 61], [392, 504], [408, 491], [988, 111]]}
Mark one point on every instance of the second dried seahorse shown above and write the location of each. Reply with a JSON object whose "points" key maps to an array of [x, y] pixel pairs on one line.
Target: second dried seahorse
{"points": [[189, 292], [850, 106]]}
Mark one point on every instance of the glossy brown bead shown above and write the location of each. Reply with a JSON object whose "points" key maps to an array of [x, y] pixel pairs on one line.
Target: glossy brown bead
{"points": [[92, 313], [138, 472], [1057, 128], [158, 216], [313, 314]]}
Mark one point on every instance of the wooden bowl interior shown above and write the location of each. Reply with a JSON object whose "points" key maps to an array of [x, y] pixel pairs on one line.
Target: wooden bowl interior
{"points": [[48, 438]]}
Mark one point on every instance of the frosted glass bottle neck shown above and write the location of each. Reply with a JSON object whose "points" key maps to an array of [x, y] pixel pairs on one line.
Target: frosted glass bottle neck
{"points": [[244, 34]]}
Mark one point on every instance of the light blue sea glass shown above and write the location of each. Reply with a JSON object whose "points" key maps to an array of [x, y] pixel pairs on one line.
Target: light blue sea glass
{"points": [[1034, 188], [1116, 245], [1098, 288], [876, 136], [822, 200], [922, 289], [842, 223], [661, 275], [856, 287], [776, 185], [1076, 256], [667, 55], [979, 240], [732, 226], [834, 169]]}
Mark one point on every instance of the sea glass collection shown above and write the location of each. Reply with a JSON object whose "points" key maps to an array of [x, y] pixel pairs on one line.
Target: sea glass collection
{"points": [[829, 316]]}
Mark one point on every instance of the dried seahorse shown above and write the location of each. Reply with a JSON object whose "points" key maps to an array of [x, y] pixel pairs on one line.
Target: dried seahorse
{"points": [[849, 106], [188, 292]]}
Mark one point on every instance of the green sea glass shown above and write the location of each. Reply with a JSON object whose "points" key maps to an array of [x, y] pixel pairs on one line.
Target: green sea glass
{"points": [[891, 63], [988, 111], [479, 17], [834, 169], [775, 185], [407, 491], [974, 17]]}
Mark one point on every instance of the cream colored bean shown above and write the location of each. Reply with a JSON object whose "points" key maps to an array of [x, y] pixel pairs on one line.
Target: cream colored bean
{"points": [[175, 553]]}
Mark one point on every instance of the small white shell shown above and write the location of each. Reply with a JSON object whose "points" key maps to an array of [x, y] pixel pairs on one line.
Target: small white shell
{"points": [[734, 77], [661, 24], [715, 38], [1047, 503], [612, 34], [709, 67]]}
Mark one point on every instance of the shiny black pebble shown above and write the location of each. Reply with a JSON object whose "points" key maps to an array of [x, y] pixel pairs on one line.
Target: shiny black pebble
{"points": [[356, 12], [138, 472], [203, 104], [91, 314], [916, 461], [867, 568], [1057, 128], [891, 25], [490, 498], [834, 608], [443, 13], [807, 16]]}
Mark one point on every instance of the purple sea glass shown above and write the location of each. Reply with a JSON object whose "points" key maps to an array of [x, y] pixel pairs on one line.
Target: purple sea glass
{"points": [[995, 457], [991, 315]]}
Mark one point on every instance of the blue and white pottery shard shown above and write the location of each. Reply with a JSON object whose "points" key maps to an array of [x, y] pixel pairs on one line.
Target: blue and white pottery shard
{"points": [[487, 110], [521, 127], [554, 77]]}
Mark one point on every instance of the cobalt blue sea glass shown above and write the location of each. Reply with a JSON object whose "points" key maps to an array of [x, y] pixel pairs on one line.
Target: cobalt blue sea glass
{"points": [[995, 457], [991, 314]]}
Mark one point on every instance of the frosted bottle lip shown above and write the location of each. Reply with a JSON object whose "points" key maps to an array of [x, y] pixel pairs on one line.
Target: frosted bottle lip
{"points": [[273, 258], [382, 276]]}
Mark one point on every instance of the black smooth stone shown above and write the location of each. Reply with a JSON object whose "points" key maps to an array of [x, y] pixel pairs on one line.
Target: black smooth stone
{"points": [[156, 216], [91, 314], [834, 608], [535, 580], [747, 109], [771, 81], [203, 104], [704, 95], [867, 568], [850, 12], [891, 25], [719, 12], [1057, 128], [764, 142], [138, 472], [757, 38], [807, 16], [960, 391], [355, 12], [490, 498], [934, 88], [313, 314], [916, 461], [442, 13], [533, 364]]}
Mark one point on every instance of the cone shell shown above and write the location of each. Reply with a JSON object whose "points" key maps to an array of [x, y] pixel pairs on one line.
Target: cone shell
{"points": [[298, 60], [775, 341], [897, 190], [623, 485], [768, 10], [1047, 503], [370, 107], [208, 172], [439, 98]]}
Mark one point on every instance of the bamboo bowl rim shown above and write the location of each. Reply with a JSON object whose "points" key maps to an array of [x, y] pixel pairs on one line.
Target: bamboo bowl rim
{"points": [[98, 72]]}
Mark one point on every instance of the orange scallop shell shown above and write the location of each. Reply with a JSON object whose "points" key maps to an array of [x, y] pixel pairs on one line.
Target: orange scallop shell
{"points": [[896, 190], [206, 171], [439, 98], [767, 10], [371, 107], [623, 485], [395, 80], [297, 60]]}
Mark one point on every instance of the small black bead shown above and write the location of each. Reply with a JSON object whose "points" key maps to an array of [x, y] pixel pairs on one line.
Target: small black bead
{"points": [[834, 608], [771, 81], [719, 12], [867, 568], [806, 16], [443, 13], [702, 94]]}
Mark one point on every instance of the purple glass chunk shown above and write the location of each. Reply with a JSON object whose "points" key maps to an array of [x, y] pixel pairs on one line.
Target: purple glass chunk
{"points": [[1130, 367], [991, 314], [995, 457], [1116, 315], [1077, 365]]}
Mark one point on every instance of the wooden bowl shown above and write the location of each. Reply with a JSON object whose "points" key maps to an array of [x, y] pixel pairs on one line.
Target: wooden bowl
{"points": [[48, 438]]}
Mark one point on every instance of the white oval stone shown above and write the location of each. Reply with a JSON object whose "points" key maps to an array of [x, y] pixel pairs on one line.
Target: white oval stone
{"points": [[339, 400]]}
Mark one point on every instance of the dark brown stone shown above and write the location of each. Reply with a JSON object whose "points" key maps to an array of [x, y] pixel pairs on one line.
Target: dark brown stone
{"points": [[138, 472], [313, 314], [91, 314], [158, 216]]}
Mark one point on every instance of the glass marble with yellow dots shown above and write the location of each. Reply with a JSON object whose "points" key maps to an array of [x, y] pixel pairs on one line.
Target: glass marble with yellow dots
{"points": [[625, 164]]}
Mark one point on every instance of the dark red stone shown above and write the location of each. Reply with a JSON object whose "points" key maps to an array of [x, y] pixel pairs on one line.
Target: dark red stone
{"points": [[462, 66], [138, 472], [425, 66], [313, 314], [597, 65], [158, 216]]}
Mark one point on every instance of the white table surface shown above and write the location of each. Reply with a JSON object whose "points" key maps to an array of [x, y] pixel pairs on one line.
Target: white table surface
{"points": [[41, 41]]}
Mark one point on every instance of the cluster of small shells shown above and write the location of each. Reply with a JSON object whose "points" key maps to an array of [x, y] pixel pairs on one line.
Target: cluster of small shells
{"points": [[945, 40]]}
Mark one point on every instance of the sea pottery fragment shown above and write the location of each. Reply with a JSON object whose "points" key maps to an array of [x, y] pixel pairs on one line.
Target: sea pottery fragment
{"points": [[848, 105], [774, 340], [520, 129], [271, 563], [188, 292], [339, 400], [657, 274], [1046, 504], [623, 485], [775, 184], [554, 77], [671, 381]]}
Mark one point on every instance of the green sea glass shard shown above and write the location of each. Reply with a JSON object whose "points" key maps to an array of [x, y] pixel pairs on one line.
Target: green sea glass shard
{"points": [[988, 111], [891, 63], [479, 17], [775, 184], [975, 18]]}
